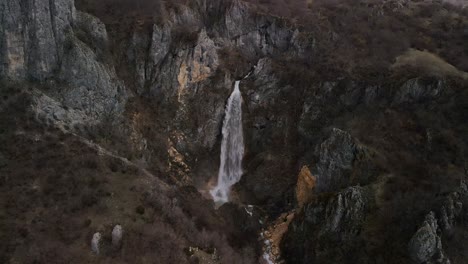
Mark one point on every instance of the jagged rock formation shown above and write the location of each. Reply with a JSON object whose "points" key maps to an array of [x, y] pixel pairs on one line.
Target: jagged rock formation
{"points": [[426, 243], [364, 157], [33, 36], [416, 90], [41, 43], [339, 156], [327, 228], [453, 208]]}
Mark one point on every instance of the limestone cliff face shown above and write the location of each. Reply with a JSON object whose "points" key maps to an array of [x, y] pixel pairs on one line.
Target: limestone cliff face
{"points": [[176, 64], [33, 35], [332, 146], [187, 68], [41, 42], [182, 65]]}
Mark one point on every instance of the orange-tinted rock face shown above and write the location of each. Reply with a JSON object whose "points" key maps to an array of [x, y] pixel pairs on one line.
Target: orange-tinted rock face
{"points": [[305, 186]]}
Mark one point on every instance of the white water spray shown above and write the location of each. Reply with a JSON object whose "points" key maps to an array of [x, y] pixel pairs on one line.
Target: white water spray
{"points": [[232, 148]]}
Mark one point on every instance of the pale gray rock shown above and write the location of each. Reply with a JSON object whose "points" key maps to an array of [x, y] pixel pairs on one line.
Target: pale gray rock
{"points": [[426, 245], [96, 243], [423, 244], [184, 78], [54, 112], [94, 30], [117, 234], [259, 34], [343, 214], [92, 86], [336, 157], [147, 62], [39, 43], [32, 37], [418, 89], [267, 90]]}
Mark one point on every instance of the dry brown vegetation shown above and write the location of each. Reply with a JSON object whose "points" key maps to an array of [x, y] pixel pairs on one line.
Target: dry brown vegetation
{"points": [[369, 34], [423, 152], [56, 191], [353, 36], [363, 38]]}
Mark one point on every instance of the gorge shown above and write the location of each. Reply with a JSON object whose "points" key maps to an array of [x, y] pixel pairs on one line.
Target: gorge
{"points": [[130, 134]]}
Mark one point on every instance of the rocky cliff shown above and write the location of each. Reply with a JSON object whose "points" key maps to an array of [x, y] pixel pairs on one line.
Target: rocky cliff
{"points": [[380, 157]]}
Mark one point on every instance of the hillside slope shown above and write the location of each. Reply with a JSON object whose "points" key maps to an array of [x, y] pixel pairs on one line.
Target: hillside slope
{"points": [[354, 116]]}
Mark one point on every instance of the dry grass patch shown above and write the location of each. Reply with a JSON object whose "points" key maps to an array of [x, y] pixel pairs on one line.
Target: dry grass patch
{"points": [[427, 63]]}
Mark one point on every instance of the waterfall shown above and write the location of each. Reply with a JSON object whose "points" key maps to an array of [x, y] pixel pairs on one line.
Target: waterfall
{"points": [[232, 148]]}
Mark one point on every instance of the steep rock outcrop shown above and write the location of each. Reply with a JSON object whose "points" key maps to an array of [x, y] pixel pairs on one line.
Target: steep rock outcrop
{"points": [[336, 158], [426, 246], [419, 89], [32, 37], [179, 66], [256, 34], [41, 41], [327, 227], [54, 112], [90, 85], [342, 162], [454, 208], [93, 31]]}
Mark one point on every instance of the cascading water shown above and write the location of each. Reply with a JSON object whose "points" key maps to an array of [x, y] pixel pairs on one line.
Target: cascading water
{"points": [[232, 148]]}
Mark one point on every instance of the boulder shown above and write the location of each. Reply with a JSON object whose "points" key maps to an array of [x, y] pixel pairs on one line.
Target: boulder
{"points": [[117, 234], [423, 244], [96, 242]]}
